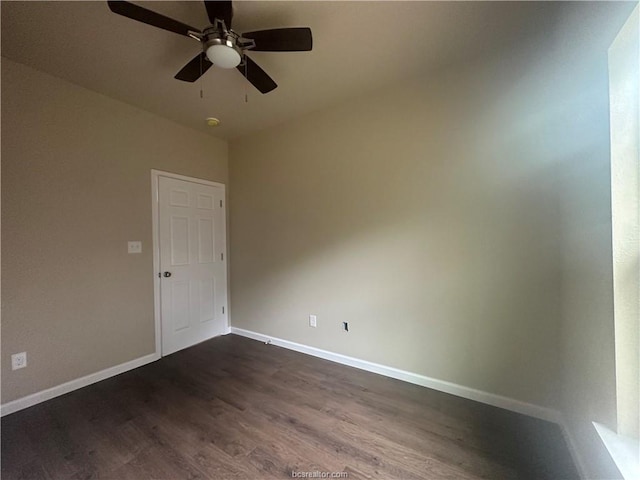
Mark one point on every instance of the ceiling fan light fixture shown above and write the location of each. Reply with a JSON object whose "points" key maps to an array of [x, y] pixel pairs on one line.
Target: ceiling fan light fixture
{"points": [[223, 56], [220, 45]]}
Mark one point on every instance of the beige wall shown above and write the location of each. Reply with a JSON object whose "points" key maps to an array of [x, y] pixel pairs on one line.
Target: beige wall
{"points": [[75, 188], [461, 224], [425, 215]]}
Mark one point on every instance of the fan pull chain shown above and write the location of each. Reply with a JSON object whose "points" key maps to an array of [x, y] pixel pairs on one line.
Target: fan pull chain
{"points": [[200, 79], [246, 87]]}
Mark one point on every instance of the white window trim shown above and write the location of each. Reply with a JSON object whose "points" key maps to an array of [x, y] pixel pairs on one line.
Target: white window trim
{"points": [[625, 172], [625, 451]]}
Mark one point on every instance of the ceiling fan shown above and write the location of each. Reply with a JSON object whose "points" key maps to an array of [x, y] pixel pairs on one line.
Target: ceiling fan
{"points": [[221, 46]]}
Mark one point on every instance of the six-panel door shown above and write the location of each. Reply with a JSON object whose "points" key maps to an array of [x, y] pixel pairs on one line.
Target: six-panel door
{"points": [[193, 285]]}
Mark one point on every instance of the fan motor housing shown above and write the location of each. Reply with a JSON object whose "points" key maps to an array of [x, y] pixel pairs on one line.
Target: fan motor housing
{"points": [[216, 39]]}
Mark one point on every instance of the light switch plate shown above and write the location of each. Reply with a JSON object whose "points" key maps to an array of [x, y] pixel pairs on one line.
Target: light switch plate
{"points": [[135, 247]]}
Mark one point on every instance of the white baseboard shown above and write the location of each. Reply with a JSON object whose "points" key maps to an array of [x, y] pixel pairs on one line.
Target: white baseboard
{"points": [[440, 385], [573, 448], [417, 379], [49, 393]]}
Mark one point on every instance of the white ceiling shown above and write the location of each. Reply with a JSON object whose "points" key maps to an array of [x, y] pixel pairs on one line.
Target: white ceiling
{"points": [[358, 47]]}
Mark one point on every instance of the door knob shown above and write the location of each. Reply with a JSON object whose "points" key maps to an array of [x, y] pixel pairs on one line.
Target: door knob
{"points": [[167, 274]]}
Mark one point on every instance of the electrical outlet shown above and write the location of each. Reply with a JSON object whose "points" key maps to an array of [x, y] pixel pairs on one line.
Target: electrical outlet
{"points": [[18, 360], [345, 326], [313, 321], [134, 247]]}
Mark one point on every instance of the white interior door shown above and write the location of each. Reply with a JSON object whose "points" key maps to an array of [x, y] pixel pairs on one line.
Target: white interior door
{"points": [[193, 281]]}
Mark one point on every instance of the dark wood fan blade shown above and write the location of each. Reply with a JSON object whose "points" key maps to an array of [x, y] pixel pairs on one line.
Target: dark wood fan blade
{"points": [[219, 9], [193, 70], [154, 19], [258, 77], [282, 39]]}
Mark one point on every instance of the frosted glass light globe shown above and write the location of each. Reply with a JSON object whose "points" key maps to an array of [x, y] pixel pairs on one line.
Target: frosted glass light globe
{"points": [[223, 56]]}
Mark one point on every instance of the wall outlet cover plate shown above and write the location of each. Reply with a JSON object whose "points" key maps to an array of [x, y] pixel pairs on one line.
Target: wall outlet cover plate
{"points": [[134, 247], [18, 360]]}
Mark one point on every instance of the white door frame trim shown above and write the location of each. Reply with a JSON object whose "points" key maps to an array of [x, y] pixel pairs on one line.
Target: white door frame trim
{"points": [[155, 178]]}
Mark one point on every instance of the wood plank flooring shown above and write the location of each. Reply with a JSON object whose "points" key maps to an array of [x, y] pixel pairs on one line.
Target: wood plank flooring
{"points": [[234, 408]]}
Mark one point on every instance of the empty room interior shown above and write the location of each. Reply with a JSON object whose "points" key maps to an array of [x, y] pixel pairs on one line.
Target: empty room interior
{"points": [[320, 239]]}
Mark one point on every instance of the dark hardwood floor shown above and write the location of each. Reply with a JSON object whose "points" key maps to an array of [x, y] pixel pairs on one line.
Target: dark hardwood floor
{"points": [[237, 408]]}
